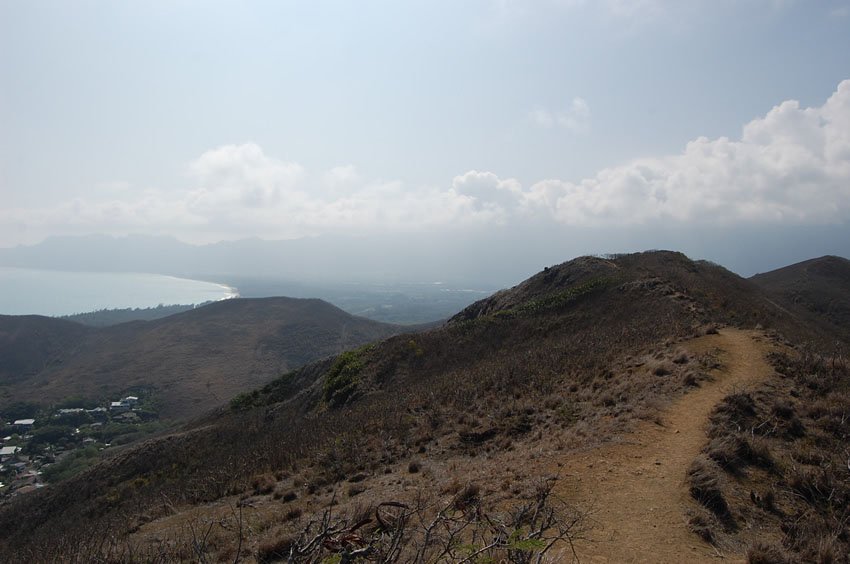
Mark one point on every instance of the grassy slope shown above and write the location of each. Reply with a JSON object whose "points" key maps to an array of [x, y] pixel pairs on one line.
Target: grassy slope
{"points": [[30, 343], [819, 288]]}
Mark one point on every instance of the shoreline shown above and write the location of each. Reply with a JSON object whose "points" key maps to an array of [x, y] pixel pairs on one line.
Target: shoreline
{"points": [[62, 293]]}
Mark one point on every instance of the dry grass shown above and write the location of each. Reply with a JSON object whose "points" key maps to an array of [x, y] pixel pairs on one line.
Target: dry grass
{"points": [[782, 451], [563, 361]]}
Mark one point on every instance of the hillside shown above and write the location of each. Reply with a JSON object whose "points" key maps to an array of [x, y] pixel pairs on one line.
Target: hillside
{"points": [[31, 344], [107, 317], [458, 442], [191, 361], [819, 286]]}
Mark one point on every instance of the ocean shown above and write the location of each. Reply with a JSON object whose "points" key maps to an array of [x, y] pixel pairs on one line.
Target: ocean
{"points": [[53, 292]]}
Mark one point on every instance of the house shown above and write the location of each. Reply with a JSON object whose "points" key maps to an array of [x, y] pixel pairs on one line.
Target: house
{"points": [[118, 407], [71, 411], [8, 452], [23, 424], [130, 401], [98, 412]]}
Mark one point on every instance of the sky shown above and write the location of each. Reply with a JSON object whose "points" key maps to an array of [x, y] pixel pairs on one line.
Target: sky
{"points": [[720, 128]]}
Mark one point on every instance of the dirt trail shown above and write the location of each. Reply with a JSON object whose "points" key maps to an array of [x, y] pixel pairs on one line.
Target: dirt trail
{"points": [[636, 489]]}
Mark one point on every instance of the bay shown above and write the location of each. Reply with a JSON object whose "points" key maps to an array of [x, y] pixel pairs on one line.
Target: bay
{"points": [[52, 292]]}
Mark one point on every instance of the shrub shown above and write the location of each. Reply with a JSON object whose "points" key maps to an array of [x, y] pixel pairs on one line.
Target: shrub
{"points": [[292, 514], [681, 358], [342, 379], [733, 452], [467, 497], [818, 486], [701, 525], [263, 484], [705, 484], [275, 549], [763, 553]]}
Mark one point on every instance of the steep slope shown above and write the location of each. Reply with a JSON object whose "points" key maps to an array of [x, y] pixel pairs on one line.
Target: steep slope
{"points": [[818, 287], [437, 423], [30, 344], [191, 361]]}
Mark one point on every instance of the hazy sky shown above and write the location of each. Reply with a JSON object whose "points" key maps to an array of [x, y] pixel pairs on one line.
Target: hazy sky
{"points": [[222, 120]]}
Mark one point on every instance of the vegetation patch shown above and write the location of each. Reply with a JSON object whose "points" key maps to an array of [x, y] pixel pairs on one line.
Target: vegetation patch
{"points": [[343, 377], [555, 301], [273, 392]]}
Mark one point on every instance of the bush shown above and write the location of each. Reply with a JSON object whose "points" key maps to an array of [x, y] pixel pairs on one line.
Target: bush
{"points": [[276, 549], [263, 484], [763, 553], [71, 465], [705, 483], [342, 379], [734, 452]]}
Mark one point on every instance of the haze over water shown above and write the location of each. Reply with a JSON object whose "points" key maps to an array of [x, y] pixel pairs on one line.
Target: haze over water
{"points": [[54, 293]]}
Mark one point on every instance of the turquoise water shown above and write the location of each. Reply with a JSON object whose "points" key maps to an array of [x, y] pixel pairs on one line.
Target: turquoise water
{"points": [[52, 292]]}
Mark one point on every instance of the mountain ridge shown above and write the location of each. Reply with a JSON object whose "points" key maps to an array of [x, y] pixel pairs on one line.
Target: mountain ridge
{"points": [[575, 356], [194, 360]]}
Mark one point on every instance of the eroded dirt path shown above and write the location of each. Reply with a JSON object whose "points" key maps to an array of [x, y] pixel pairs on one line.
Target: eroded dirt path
{"points": [[636, 489]]}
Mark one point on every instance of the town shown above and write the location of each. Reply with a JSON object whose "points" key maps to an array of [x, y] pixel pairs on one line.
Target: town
{"points": [[40, 447]]}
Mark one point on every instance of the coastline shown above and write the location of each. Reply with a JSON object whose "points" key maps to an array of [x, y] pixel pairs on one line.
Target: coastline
{"points": [[57, 293]]}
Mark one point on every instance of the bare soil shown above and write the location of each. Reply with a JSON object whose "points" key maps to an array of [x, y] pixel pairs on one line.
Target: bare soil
{"points": [[636, 489]]}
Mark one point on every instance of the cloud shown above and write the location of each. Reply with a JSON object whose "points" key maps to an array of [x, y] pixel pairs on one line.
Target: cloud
{"points": [[790, 166], [243, 175], [487, 192], [576, 118]]}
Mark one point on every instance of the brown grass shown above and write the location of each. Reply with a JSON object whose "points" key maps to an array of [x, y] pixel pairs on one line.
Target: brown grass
{"points": [[473, 394], [782, 448]]}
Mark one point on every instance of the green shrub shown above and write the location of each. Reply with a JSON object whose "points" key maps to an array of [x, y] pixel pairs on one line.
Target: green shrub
{"points": [[342, 379], [72, 464]]}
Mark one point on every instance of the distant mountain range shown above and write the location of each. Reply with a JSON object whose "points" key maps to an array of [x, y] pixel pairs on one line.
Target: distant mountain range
{"points": [[318, 259], [492, 259]]}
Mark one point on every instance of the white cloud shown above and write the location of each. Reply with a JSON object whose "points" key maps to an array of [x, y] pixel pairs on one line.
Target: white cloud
{"points": [[487, 192], [341, 177], [575, 118], [243, 175], [791, 166]]}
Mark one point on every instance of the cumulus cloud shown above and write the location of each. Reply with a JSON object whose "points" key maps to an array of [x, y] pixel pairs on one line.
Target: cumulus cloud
{"points": [[790, 166], [487, 193], [243, 175], [575, 118]]}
